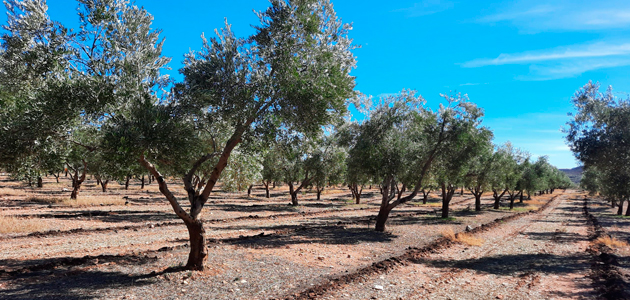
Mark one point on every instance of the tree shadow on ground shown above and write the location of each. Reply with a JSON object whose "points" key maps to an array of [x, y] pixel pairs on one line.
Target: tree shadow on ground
{"points": [[116, 216], [524, 265], [81, 285], [74, 278], [557, 237], [21, 267], [513, 265], [320, 235], [255, 208]]}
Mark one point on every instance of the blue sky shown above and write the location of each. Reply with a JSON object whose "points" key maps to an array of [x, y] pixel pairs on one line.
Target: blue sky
{"points": [[519, 60]]}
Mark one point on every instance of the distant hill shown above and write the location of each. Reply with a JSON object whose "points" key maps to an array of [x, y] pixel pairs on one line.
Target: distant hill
{"points": [[575, 174]]}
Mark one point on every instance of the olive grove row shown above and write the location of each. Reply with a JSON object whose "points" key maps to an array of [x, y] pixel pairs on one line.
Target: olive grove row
{"points": [[598, 135], [271, 107]]}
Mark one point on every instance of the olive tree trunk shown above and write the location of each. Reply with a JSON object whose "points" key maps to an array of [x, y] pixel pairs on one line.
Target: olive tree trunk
{"points": [[77, 180], [497, 197], [447, 194], [477, 192], [266, 184], [104, 185], [356, 191], [425, 196]]}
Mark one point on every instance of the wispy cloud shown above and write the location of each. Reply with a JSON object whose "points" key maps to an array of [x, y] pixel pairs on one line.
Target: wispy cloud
{"points": [[563, 15], [571, 68], [571, 52], [426, 7], [562, 62]]}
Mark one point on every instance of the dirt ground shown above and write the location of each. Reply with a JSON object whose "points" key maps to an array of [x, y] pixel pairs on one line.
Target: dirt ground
{"points": [[128, 244]]}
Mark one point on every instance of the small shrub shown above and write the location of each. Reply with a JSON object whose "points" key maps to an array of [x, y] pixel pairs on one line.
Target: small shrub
{"points": [[469, 240], [463, 238], [611, 242], [449, 234]]}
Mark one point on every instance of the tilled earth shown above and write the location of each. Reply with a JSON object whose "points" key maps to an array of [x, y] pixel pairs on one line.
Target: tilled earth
{"points": [[264, 249]]}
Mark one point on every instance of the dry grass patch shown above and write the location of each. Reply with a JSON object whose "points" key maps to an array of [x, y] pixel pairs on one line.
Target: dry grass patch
{"points": [[94, 201], [611, 242], [463, 238], [82, 201], [535, 202], [430, 204], [10, 224], [12, 192], [45, 199]]}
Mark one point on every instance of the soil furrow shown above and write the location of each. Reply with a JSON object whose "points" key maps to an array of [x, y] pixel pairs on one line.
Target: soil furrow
{"points": [[605, 274], [410, 255]]}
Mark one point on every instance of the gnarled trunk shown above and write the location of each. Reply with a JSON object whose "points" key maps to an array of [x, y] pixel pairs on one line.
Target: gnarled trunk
{"points": [[127, 182], [497, 197], [513, 196], [198, 250], [293, 193], [620, 209], [381, 219], [142, 182], [40, 182], [477, 192], [104, 185], [249, 190], [425, 196], [77, 181], [478, 202], [447, 195], [266, 184], [356, 192], [388, 192], [628, 210]]}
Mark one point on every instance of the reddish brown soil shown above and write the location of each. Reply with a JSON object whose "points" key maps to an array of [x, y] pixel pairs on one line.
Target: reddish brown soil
{"points": [[265, 249]]}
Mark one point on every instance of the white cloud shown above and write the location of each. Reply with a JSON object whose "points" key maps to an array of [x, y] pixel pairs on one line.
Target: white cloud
{"points": [[562, 62], [426, 7], [576, 51], [563, 15], [571, 68]]}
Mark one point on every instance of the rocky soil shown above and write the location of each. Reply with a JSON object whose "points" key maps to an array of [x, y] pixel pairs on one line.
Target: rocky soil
{"points": [[265, 249]]}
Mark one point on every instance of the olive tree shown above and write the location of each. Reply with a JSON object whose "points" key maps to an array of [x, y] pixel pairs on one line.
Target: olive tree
{"points": [[271, 169], [329, 164], [292, 73], [242, 172], [598, 136], [466, 141], [477, 179], [73, 80], [297, 163], [402, 135]]}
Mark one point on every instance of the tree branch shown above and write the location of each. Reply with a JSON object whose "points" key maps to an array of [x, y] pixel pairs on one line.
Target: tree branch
{"points": [[179, 211]]}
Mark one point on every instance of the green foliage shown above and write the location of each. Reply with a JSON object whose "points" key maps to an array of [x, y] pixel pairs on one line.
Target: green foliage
{"points": [[243, 170], [598, 136], [464, 143]]}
